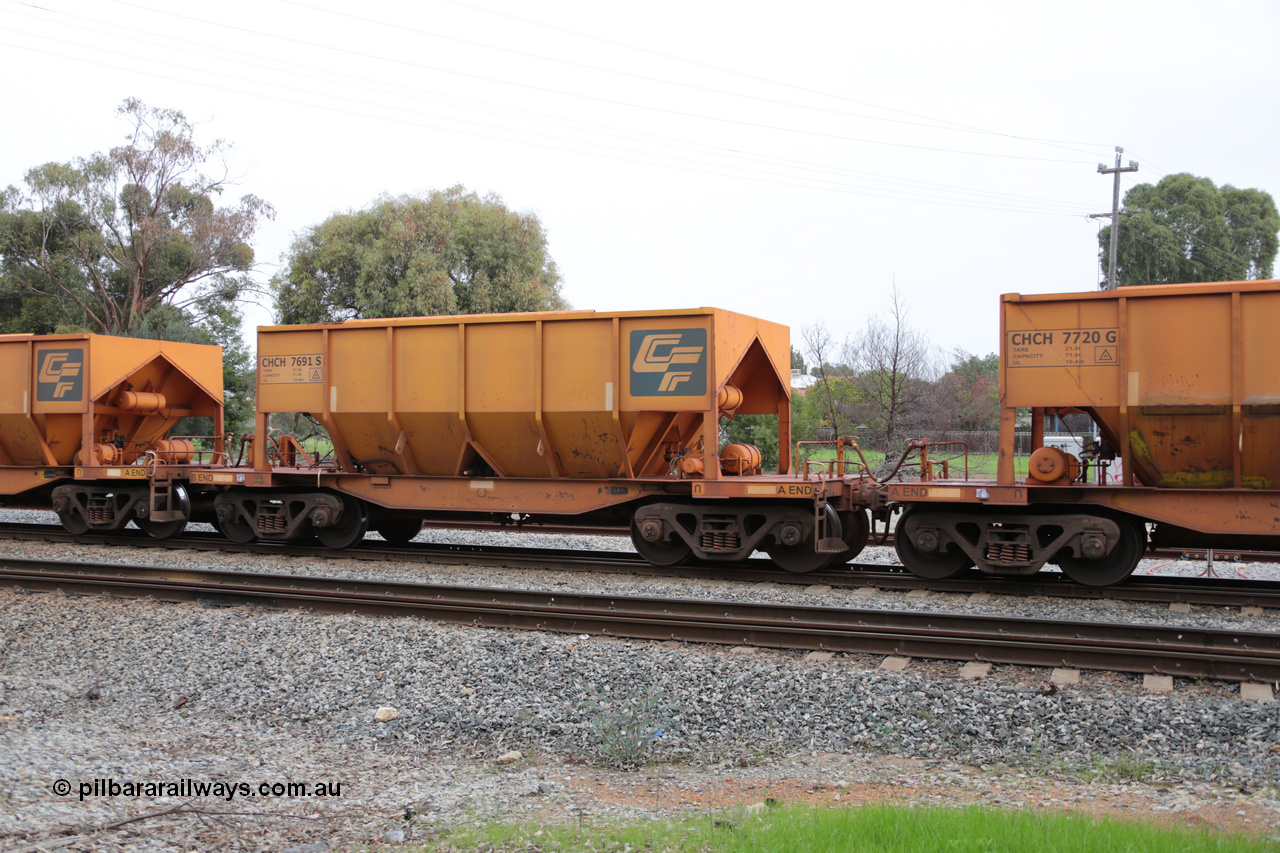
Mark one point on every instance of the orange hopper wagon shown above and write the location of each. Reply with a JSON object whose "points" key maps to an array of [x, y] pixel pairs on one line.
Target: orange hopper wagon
{"points": [[85, 425], [1182, 385], [608, 419]]}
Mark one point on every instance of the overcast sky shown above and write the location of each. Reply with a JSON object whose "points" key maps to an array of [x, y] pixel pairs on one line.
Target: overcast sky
{"points": [[791, 161]]}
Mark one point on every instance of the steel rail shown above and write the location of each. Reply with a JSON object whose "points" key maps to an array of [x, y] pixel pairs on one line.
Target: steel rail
{"points": [[1228, 556], [1181, 651], [1205, 591]]}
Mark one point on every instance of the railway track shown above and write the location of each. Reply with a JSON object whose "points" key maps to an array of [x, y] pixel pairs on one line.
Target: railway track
{"points": [[1233, 592], [1189, 652]]}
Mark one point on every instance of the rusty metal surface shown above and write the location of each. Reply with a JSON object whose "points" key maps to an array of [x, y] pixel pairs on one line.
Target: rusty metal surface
{"points": [[1180, 651], [1182, 380]]}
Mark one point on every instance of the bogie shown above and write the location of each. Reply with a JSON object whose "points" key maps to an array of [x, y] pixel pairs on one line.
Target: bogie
{"points": [[339, 521], [1093, 547], [668, 533], [91, 507]]}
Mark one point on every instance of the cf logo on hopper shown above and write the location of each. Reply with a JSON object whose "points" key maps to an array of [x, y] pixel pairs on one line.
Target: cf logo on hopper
{"points": [[669, 362], [60, 375]]}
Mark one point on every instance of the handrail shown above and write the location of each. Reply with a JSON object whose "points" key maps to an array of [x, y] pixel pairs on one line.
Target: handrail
{"points": [[840, 444]]}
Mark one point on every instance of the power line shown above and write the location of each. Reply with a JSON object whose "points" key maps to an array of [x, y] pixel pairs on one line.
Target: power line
{"points": [[1217, 272], [696, 63], [927, 122], [593, 98], [984, 200], [759, 177]]}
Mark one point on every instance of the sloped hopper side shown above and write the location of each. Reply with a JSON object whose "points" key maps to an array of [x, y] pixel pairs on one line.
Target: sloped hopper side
{"points": [[1186, 375], [137, 411], [518, 398], [541, 395]]}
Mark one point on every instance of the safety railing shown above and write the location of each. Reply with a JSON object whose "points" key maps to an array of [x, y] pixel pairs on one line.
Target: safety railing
{"points": [[926, 465], [832, 467]]}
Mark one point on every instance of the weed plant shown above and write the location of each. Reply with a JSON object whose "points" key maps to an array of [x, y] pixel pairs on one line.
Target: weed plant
{"points": [[628, 728]]}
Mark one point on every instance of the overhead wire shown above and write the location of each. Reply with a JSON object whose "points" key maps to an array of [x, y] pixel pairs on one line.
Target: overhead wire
{"points": [[981, 199], [932, 123], [1207, 265], [592, 98], [777, 178], [985, 197], [757, 78], [759, 177]]}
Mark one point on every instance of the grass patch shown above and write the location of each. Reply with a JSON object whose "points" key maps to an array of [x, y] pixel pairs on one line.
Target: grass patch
{"points": [[1119, 768], [982, 466], [796, 829]]}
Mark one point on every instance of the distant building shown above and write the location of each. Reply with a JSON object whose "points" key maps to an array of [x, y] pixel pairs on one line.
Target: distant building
{"points": [[801, 382]]}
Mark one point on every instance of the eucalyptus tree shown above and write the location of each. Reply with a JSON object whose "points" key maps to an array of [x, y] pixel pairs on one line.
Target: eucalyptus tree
{"points": [[1186, 229], [449, 252], [102, 241]]}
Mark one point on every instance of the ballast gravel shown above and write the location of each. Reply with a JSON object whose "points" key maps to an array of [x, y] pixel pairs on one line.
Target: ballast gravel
{"points": [[98, 691]]}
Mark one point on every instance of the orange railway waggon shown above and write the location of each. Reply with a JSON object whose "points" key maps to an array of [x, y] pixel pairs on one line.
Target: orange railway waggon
{"points": [[607, 419], [613, 420], [1182, 384]]}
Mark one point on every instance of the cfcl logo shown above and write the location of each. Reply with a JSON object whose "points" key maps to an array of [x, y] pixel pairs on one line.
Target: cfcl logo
{"points": [[61, 375], [669, 362]]}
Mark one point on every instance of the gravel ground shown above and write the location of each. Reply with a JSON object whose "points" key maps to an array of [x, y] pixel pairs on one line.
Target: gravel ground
{"points": [[145, 692]]}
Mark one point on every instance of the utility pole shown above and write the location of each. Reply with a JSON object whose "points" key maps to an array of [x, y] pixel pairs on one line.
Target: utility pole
{"points": [[1115, 212]]}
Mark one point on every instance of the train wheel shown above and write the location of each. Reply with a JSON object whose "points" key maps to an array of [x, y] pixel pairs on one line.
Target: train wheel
{"points": [[161, 529], [857, 530], [802, 557], [665, 552], [168, 529], [351, 529], [1113, 568], [237, 530], [798, 558], [73, 522], [930, 565], [231, 524], [400, 531]]}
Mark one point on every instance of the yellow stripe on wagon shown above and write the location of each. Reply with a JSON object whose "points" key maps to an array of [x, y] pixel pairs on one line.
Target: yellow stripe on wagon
{"points": [[802, 490], [206, 477], [914, 492]]}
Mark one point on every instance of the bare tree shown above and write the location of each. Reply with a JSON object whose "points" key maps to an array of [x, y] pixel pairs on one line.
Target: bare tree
{"points": [[896, 372], [833, 392]]}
